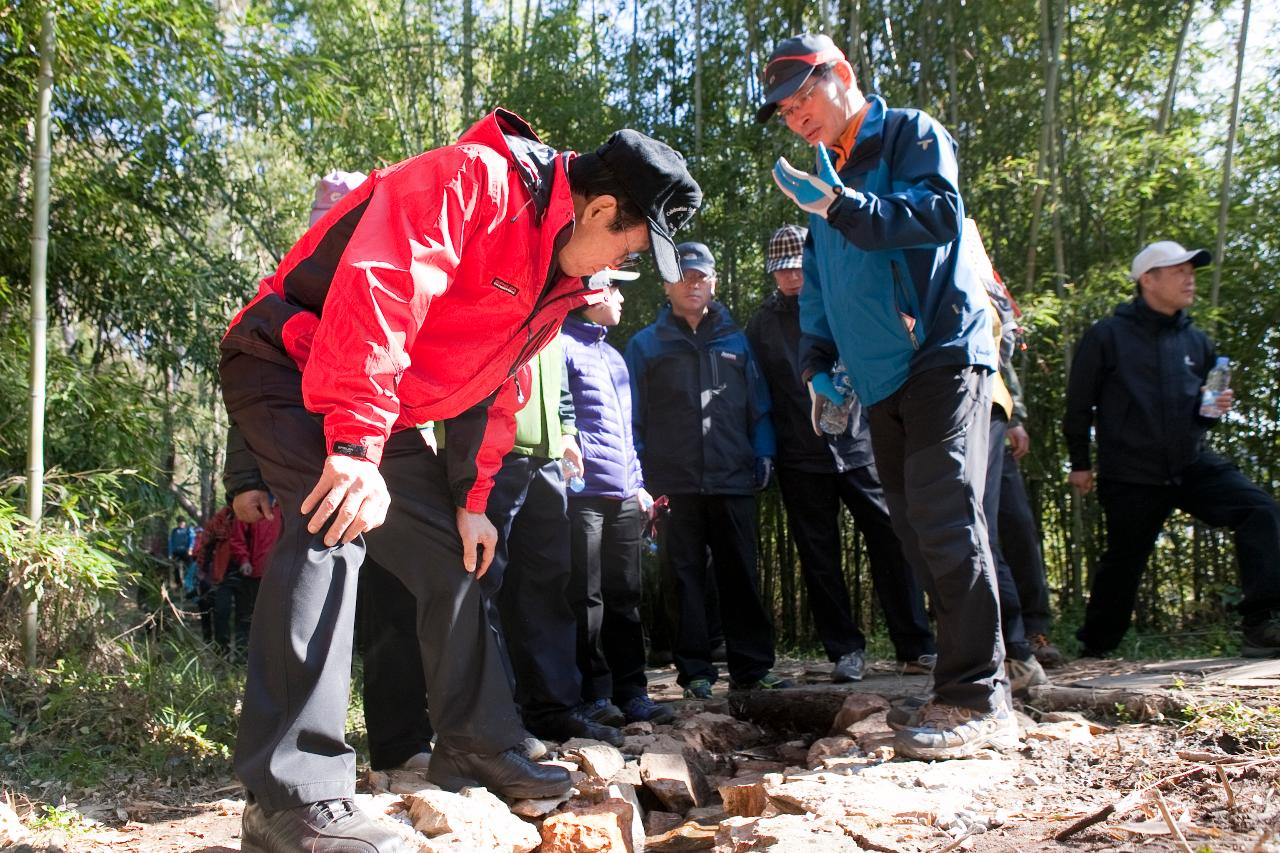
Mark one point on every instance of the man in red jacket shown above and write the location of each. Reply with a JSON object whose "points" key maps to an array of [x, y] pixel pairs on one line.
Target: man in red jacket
{"points": [[416, 298]]}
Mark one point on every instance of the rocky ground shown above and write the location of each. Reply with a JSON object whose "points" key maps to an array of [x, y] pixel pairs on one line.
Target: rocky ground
{"points": [[1104, 767]]}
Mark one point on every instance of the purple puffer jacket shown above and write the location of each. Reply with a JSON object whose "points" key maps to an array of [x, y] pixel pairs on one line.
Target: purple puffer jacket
{"points": [[601, 391]]}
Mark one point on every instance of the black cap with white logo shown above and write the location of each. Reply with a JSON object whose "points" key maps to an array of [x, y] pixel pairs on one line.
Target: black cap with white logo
{"points": [[655, 177]]}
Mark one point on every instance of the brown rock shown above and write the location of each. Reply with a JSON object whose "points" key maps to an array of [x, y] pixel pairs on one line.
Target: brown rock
{"points": [[629, 775], [794, 752], [792, 833], [603, 828], [830, 746], [744, 796], [717, 732], [857, 707], [474, 819], [535, 808], [599, 760], [638, 728], [627, 794], [657, 823], [637, 744], [687, 836], [677, 784]]}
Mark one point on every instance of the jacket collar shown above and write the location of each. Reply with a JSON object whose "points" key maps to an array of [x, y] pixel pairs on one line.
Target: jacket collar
{"points": [[584, 330], [866, 148], [537, 164], [1138, 311]]}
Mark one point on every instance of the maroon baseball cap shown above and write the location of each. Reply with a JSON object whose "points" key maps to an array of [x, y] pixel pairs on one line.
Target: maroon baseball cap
{"points": [[793, 62]]}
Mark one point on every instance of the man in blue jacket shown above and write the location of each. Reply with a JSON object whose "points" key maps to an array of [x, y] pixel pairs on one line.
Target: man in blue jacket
{"points": [[887, 289], [700, 412]]}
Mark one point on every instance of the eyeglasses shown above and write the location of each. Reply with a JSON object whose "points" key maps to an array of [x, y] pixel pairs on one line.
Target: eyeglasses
{"points": [[800, 98]]}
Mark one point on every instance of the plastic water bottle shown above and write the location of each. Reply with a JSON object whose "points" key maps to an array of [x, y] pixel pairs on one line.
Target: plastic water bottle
{"points": [[833, 419], [1218, 381], [572, 476]]}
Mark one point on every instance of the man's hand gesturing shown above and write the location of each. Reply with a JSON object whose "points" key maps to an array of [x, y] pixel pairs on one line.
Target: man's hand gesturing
{"points": [[479, 540], [353, 493]]}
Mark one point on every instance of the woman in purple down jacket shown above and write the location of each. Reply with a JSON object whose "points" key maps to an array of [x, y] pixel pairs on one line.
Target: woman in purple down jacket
{"points": [[607, 519]]}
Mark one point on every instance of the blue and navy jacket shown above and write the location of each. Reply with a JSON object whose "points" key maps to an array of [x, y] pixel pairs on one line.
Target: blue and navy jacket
{"points": [[885, 284], [602, 407], [700, 405]]}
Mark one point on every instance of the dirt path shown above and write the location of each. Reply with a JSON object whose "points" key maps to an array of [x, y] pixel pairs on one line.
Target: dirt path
{"points": [[843, 792]]}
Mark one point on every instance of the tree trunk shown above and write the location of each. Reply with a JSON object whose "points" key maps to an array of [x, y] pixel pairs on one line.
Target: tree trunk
{"points": [[1224, 201], [1166, 107], [39, 323], [1051, 38], [697, 81], [855, 42], [468, 71]]}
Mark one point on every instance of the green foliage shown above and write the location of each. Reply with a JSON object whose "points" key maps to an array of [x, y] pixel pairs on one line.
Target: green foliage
{"points": [[1235, 726], [188, 135], [134, 705]]}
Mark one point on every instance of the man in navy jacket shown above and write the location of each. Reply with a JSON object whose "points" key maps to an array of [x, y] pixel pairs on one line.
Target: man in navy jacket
{"points": [[1138, 375], [887, 290], [701, 414]]}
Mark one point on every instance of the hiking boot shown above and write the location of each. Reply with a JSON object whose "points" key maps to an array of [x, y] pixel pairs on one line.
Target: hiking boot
{"points": [[605, 713], [699, 688], [560, 726], [532, 748], [849, 668], [1261, 640], [922, 665], [769, 681], [1046, 652], [939, 732], [508, 774], [642, 709], [1024, 674], [902, 714], [329, 825]]}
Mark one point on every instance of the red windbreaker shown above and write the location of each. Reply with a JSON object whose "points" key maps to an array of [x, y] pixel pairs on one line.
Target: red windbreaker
{"points": [[421, 293]]}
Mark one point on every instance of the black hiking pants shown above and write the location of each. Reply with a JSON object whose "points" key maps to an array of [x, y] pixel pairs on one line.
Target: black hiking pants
{"points": [[930, 439], [813, 502], [291, 748]]}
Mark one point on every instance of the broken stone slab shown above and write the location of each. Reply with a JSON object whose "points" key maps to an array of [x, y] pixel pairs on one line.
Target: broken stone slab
{"points": [[744, 796], [657, 823], [677, 784], [534, 809], [1070, 731], [840, 745], [793, 752], [601, 828], [717, 732], [474, 816], [629, 775], [599, 760], [856, 708], [686, 836], [792, 833], [627, 793]]}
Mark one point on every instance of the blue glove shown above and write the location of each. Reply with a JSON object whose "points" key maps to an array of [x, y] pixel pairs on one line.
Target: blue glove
{"points": [[764, 472], [821, 383], [813, 193]]}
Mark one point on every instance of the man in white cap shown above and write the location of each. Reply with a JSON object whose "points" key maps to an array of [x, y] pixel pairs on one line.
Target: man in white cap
{"points": [[1138, 377]]}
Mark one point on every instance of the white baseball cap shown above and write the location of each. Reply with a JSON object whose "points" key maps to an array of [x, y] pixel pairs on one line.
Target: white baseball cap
{"points": [[1166, 253]]}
